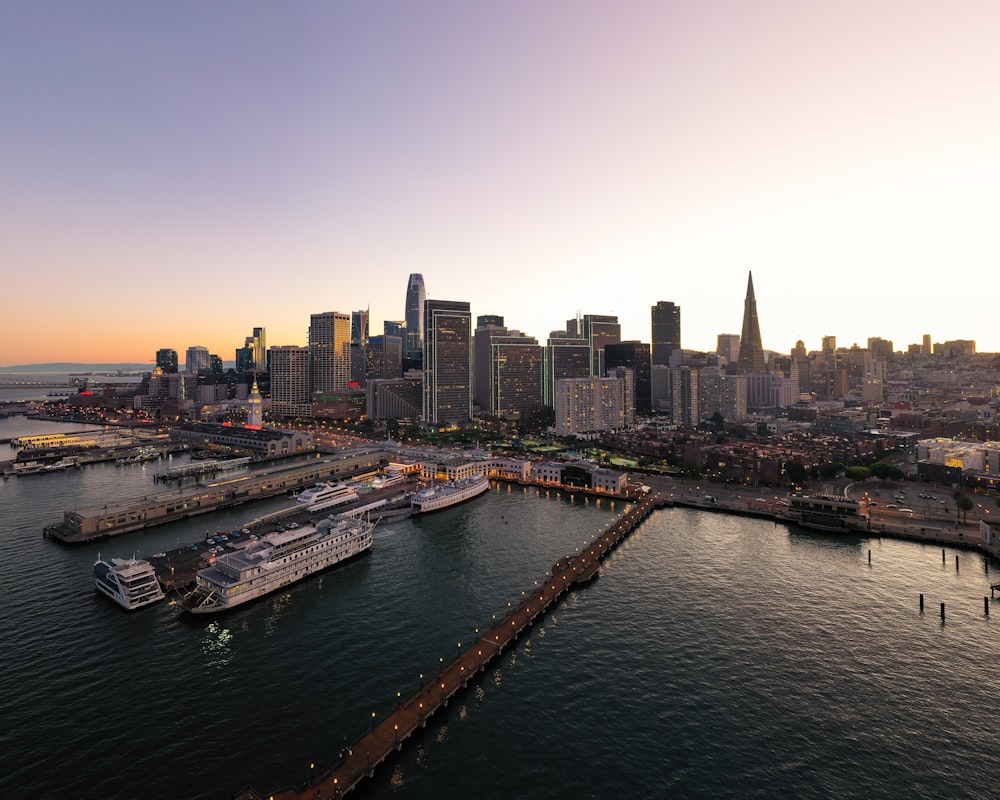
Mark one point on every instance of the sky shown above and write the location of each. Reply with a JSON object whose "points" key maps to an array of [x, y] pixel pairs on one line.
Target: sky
{"points": [[176, 174]]}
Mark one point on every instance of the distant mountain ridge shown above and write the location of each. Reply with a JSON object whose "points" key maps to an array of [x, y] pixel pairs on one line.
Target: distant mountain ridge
{"points": [[67, 366]]}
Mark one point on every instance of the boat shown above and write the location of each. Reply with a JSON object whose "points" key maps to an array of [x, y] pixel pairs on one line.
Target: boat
{"points": [[442, 495], [326, 495], [39, 467], [130, 582], [389, 479], [275, 561]]}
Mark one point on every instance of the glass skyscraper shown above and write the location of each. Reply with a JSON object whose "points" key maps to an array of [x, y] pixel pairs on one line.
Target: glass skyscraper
{"points": [[447, 339], [666, 329], [416, 295]]}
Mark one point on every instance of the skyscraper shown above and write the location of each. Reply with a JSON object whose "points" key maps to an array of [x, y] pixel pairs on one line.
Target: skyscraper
{"points": [[416, 295], [166, 360], [259, 345], [197, 360], [514, 369], [727, 345], [666, 319], [599, 330], [751, 350], [487, 326], [289, 380], [384, 357], [329, 352], [447, 362], [564, 356], [359, 326], [636, 357]]}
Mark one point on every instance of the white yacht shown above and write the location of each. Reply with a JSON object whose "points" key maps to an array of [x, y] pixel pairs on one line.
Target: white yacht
{"points": [[275, 561], [389, 479], [442, 495], [129, 582], [327, 495]]}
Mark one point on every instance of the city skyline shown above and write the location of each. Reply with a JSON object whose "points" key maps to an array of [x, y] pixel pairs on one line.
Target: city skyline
{"points": [[177, 175]]}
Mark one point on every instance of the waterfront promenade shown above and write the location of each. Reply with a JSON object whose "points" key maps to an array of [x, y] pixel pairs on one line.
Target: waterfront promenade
{"points": [[388, 734], [928, 524]]}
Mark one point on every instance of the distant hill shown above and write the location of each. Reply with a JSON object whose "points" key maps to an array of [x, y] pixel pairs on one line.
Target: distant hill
{"points": [[66, 366]]}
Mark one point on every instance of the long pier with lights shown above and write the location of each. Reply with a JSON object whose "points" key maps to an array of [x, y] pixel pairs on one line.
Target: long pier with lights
{"points": [[387, 735]]}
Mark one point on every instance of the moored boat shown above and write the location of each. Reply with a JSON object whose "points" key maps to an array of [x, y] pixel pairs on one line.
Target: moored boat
{"points": [[327, 495], [442, 495], [275, 561], [129, 582]]}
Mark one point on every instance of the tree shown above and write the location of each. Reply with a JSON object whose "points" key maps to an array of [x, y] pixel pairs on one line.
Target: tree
{"points": [[858, 473], [966, 504], [796, 472], [962, 505], [832, 470], [885, 472]]}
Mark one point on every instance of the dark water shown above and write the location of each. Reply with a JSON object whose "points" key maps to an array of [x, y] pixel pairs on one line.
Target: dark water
{"points": [[714, 657]]}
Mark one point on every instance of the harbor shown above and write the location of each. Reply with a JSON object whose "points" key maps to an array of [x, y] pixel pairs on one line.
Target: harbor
{"points": [[656, 632], [387, 735], [103, 521], [177, 568]]}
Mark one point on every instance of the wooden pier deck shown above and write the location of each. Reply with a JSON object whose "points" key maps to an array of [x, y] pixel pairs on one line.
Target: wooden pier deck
{"points": [[387, 735]]}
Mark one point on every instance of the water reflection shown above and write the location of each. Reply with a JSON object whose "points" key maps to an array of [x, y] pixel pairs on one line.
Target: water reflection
{"points": [[217, 645]]}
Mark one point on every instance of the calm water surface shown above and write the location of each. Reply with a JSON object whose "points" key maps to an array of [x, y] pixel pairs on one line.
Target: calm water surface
{"points": [[714, 657]]}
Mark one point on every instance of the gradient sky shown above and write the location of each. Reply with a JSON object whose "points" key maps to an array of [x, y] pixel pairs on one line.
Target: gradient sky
{"points": [[174, 174]]}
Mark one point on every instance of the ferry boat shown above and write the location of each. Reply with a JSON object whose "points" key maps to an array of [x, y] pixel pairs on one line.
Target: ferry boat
{"points": [[825, 513], [129, 582], [442, 495], [275, 561], [327, 495]]}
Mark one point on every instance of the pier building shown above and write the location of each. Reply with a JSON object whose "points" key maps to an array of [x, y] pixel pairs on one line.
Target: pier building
{"points": [[115, 518]]}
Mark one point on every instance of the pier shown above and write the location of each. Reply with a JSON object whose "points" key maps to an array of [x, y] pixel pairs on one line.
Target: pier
{"points": [[387, 735], [116, 518], [202, 468]]}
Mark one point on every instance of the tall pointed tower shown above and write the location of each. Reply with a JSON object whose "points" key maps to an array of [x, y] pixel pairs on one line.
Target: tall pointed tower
{"points": [[255, 414], [751, 350]]}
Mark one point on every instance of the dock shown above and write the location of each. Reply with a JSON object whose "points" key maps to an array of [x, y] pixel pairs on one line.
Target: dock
{"points": [[125, 516], [388, 735]]}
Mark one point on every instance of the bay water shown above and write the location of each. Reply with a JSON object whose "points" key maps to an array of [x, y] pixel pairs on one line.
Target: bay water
{"points": [[715, 656]]}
